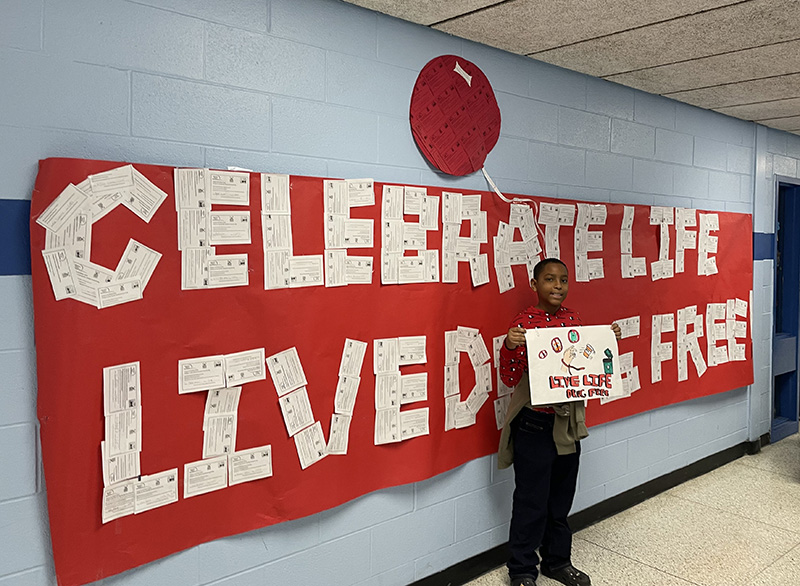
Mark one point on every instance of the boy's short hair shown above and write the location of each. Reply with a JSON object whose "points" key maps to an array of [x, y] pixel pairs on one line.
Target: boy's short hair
{"points": [[537, 270]]}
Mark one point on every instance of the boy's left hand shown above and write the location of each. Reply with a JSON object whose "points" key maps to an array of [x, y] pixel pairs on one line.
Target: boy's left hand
{"points": [[617, 330]]}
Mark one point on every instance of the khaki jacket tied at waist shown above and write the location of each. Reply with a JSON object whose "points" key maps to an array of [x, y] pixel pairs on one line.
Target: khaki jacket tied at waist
{"points": [[569, 425]]}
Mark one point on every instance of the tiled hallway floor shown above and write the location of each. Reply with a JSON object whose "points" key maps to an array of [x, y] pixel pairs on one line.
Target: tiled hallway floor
{"points": [[738, 525]]}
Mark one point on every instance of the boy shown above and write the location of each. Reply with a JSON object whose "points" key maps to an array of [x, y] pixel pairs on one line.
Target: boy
{"points": [[543, 443]]}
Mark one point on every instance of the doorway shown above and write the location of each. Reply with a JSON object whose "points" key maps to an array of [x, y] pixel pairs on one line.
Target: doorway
{"points": [[787, 313]]}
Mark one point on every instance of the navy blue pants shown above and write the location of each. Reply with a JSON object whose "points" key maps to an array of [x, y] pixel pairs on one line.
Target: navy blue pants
{"points": [[544, 490]]}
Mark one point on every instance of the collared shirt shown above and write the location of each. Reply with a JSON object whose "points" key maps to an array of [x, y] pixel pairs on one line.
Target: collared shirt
{"points": [[514, 363]]}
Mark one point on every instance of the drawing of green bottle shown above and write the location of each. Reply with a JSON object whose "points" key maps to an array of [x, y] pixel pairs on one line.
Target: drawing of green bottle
{"points": [[608, 365]]}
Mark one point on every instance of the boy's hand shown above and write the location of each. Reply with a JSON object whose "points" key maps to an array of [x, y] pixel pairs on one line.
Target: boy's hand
{"points": [[617, 330], [515, 337]]}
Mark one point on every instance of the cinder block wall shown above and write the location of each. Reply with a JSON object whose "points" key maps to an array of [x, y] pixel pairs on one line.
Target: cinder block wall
{"points": [[320, 87]]}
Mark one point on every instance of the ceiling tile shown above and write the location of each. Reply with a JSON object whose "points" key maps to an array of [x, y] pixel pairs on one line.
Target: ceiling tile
{"points": [[746, 92], [766, 61], [424, 12], [790, 123], [738, 57], [527, 26], [764, 110], [732, 28]]}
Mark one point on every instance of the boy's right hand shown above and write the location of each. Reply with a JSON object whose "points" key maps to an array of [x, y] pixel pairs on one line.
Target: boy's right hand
{"points": [[515, 337]]}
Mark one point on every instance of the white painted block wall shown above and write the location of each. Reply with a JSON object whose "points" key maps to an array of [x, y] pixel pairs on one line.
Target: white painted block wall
{"points": [[320, 87]]}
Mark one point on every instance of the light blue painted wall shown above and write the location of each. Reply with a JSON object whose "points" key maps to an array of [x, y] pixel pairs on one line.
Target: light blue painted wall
{"points": [[321, 87]]}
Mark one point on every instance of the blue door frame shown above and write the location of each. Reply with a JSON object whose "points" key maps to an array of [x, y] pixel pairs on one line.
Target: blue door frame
{"points": [[785, 356]]}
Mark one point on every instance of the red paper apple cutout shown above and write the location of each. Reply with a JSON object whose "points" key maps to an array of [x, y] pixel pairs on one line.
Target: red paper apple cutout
{"points": [[454, 115]]}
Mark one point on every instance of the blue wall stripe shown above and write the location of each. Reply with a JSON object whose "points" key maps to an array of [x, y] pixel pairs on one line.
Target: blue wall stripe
{"points": [[763, 246], [15, 237]]}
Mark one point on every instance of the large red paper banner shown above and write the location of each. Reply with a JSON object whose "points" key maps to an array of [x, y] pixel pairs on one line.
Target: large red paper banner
{"points": [[75, 341]]}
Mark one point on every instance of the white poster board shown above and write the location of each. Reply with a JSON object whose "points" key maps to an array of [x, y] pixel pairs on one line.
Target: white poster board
{"points": [[572, 364]]}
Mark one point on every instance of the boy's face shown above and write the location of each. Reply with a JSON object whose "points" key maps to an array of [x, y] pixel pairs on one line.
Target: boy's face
{"points": [[551, 286]]}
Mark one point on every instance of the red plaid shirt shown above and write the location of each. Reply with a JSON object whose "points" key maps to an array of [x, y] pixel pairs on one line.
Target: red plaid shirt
{"points": [[514, 363]]}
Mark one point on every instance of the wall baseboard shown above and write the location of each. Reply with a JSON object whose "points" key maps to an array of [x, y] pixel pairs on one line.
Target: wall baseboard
{"points": [[475, 566]]}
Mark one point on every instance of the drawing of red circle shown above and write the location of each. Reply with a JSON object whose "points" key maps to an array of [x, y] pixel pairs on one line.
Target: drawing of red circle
{"points": [[573, 336], [454, 115], [542, 354], [556, 344]]}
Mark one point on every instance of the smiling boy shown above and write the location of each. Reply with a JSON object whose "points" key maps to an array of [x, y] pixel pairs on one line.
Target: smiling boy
{"points": [[542, 443]]}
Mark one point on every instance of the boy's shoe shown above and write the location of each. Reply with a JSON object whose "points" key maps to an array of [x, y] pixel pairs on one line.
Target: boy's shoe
{"points": [[569, 575], [523, 580]]}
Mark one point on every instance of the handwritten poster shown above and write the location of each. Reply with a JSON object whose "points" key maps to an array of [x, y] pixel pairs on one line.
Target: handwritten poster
{"points": [[572, 364]]}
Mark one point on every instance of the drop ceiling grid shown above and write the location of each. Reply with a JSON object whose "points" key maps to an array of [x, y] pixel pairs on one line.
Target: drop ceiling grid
{"points": [[764, 110], [732, 28], [756, 63], [425, 12], [739, 57], [791, 124], [745, 92], [530, 26]]}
